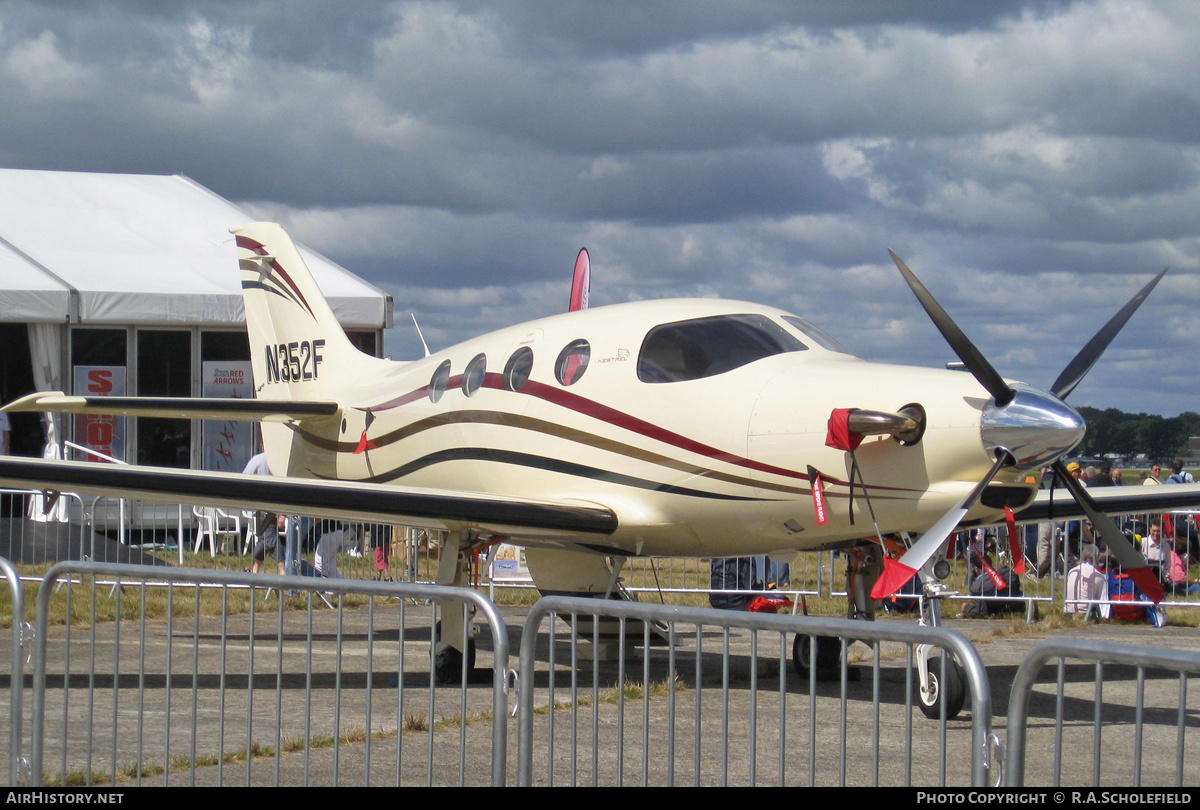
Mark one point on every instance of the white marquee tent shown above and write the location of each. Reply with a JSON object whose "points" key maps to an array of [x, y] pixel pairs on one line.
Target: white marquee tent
{"points": [[137, 249], [135, 255]]}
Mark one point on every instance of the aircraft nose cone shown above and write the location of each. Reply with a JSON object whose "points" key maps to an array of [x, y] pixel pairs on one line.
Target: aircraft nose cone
{"points": [[1036, 427]]}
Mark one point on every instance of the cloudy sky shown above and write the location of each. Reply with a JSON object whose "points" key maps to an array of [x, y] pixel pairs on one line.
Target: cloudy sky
{"points": [[1034, 162]]}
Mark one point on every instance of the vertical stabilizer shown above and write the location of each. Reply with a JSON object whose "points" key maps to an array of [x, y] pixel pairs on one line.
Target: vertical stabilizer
{"points": [[297, 346]]}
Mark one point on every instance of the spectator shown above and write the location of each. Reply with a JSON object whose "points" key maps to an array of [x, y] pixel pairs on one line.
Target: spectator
{"points": [[1076, 472], [1178, 474], [268, 543], [381, 551], [1175, 574], [1086, 584], [1152, 545], [269, 526], [333, 538], [1102, 477]]}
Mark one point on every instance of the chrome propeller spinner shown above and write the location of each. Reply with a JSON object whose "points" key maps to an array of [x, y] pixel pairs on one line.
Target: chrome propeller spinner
{"points": [[1026, 428]]}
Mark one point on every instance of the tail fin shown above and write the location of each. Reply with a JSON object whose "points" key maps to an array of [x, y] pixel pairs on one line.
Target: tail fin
{"points": [[297, 347]]}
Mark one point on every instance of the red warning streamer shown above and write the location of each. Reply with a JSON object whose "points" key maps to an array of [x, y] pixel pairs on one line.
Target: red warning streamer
{"points": [[818, 494], [1014, 543], [992, 573]]}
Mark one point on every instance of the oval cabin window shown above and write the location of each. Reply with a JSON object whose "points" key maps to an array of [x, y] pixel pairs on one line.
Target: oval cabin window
{"points": [[437, 383], [473, 377], [518, 368], [572, 362]]}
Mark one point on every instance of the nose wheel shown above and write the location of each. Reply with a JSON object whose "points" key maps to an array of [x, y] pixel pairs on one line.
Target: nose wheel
{"points": [[448, 660], [940, 684]]}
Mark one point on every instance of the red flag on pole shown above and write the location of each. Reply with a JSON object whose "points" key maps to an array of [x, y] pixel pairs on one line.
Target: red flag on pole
{"points": [[581, 282]]}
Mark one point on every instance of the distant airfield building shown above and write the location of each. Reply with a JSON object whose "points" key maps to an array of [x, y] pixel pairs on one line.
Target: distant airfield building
{"points": [[128, 285]]}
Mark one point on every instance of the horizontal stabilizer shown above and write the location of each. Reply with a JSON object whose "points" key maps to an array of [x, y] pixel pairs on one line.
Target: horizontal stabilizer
{"points": [[525, 519], [237, 410]]}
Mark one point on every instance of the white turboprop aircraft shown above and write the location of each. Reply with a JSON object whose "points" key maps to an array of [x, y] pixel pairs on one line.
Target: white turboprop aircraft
{"points": [[694, 428]]}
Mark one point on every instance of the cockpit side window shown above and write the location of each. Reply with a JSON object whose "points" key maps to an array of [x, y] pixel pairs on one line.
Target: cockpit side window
{"points": [[704, 347]]}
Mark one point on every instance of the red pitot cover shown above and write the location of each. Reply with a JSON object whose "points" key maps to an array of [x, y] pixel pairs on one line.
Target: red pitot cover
{"points": [[840, 437]]}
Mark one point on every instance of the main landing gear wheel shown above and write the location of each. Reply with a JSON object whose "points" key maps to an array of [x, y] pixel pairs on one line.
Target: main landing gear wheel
{"points": [[953, 691], [828, 657], [448, 661]]}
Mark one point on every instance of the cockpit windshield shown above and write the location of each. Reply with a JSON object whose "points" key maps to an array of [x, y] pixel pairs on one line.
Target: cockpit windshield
{"points": [[704, 347], [817, 335]]}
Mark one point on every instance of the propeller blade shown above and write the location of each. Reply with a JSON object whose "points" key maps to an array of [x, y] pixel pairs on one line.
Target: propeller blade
{"points": [[1089, 354], [897, 573], [1130, 558], [975, 362]]}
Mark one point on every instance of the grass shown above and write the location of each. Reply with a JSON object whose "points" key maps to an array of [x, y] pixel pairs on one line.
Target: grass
{"points": [[675, 582], [80, 610]]}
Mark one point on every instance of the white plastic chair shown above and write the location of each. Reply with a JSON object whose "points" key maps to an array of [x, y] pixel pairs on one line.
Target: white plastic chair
{"points": [[213, 523], [250, 537]]}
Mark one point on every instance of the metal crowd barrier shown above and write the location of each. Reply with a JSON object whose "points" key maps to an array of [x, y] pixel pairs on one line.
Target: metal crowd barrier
{"points": [[632, 705], [139, 686], [169, 685], [404, 554], [1128, 713], [17, 765]]}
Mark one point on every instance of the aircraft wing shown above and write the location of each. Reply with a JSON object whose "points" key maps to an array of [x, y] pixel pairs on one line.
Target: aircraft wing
{"points": [[244, 410], [524, 519], [1129, 500]]}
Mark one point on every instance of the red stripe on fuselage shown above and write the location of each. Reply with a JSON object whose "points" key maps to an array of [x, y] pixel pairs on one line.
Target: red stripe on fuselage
{"points": [[612, 416]]}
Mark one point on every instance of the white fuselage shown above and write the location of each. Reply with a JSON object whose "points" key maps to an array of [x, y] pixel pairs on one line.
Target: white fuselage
{"points": [[709, 464]]}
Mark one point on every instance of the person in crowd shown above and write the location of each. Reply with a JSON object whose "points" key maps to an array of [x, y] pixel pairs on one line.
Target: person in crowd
{"points": [[1178, 474], [332, 538], [1175, 572], [269, 526], [1102, 477], [1086, 584], [269, 543], [1152, 545], [1117, 477], [1077, 472], [1155, 476], [381, 551]]}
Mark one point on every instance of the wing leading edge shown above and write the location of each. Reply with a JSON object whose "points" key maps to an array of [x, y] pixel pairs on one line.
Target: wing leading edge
{"points": [[527, 519], [1114, 501]]}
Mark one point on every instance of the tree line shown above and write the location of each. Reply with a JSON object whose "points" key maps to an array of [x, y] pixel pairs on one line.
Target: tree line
{"points": [[1130, 434]]}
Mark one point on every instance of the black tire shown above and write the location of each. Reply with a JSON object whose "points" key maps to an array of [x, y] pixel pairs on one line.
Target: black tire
{"points": [[953, 691], [448, 661], [829, 656]]}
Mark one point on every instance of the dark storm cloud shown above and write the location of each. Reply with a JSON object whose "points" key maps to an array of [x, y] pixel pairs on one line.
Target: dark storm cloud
{"points": [[1034, 161]]}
